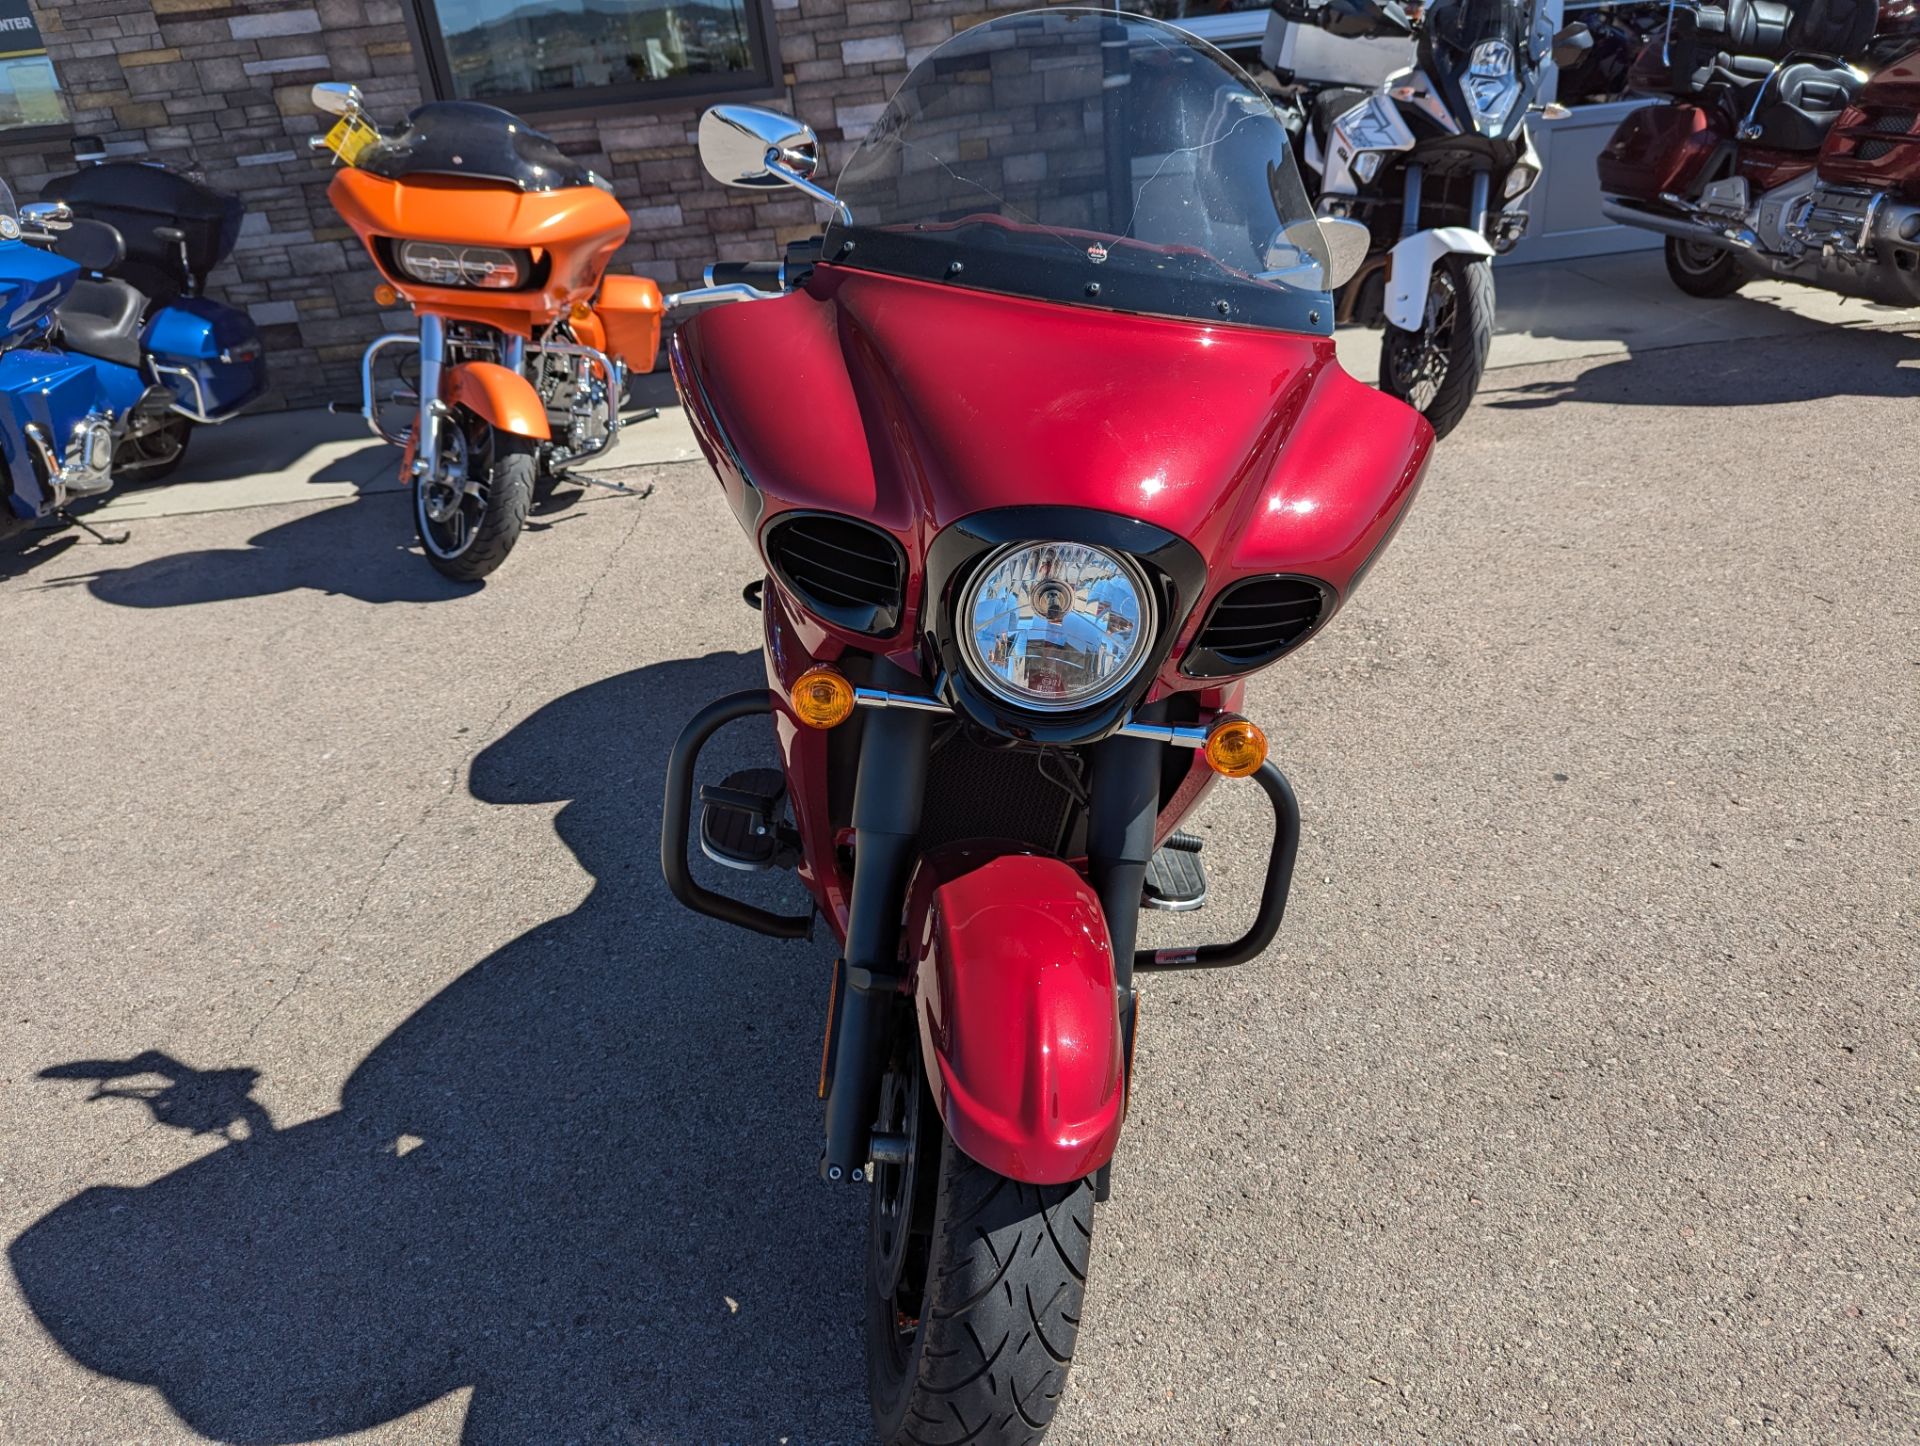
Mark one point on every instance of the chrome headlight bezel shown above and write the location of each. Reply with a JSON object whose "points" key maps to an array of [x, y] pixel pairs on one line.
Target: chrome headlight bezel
{"points": [[980, 670]]}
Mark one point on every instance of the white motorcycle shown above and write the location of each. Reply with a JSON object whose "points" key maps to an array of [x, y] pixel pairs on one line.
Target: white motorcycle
{"points": [[1413, 124]]}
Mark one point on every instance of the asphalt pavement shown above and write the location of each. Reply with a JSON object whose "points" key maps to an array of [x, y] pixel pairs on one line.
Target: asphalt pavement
{"points": [[358, 1079]]}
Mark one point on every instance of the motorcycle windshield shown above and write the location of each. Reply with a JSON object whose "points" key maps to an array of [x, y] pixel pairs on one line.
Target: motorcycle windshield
{"points": [[1093, 158], [1463, 24], [8, 210], [482, 142]]}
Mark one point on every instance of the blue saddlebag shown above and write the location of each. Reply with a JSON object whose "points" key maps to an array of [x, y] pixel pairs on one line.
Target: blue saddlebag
{"points": [[210, 356]]}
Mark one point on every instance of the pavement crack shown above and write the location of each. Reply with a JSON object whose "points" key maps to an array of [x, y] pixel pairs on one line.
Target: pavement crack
{"points": [[482, 737]]}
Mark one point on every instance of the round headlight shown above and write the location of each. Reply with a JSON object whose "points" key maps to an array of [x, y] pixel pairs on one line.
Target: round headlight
{"points": [[1056, 625]]}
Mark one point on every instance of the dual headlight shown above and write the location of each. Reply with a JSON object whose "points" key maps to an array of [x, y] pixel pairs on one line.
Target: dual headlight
{"points": [[1491, 86], [1055, 626], [435, 264]]}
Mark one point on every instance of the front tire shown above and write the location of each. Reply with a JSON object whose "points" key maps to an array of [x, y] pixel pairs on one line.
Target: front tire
{"points": [[469, 519], [974, 1287], [1709, 272], [1437, 369]]}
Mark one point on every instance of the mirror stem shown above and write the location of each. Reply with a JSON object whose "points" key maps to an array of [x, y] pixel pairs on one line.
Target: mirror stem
{"points": [[779, 167]]}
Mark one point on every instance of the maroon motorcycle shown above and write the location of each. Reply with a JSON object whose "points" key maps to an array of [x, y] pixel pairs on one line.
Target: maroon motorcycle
{"points": [[1045, 450]]}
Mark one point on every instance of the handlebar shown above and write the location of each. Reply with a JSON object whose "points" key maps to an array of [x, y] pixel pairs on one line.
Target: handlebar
{"points": [[761, 275]]}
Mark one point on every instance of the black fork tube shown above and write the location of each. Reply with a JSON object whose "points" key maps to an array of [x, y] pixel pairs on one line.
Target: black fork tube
{"points": [[1122, 809], [886, 822], [1124, 805]]}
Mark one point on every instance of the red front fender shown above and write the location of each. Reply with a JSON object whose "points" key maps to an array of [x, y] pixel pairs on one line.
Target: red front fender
{"points": [[1019, 1020]]}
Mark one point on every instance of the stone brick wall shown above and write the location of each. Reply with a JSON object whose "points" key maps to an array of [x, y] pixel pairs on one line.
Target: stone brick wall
{"points": [[222, 85]]}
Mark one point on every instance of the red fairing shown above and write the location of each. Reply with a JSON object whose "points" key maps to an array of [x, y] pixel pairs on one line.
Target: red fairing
{"points": [[1019, 1018], [912, 404], [1876, 141]]}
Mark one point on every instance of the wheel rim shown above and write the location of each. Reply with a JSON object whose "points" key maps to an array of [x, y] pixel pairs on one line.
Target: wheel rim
{"points": [[1420, 359], [1696, 258], [901, 1230], [156, 448], [452, 506]]}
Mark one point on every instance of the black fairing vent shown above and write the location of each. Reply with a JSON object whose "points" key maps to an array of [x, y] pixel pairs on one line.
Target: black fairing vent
{"points": [[1253, 622], [847, 573], [1886, 123]]}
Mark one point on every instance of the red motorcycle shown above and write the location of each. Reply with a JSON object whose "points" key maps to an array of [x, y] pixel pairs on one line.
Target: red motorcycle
{"points": [[1790, 147], [1045, 449]]}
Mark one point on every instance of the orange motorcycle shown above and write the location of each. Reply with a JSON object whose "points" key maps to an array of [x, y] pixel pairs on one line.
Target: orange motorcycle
{"points": [[499, 242]]}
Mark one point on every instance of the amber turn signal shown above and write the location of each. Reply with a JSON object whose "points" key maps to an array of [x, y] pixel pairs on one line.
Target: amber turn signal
{"points": [[385, 295], [581, 311], [1235, 747], [822, 697]]}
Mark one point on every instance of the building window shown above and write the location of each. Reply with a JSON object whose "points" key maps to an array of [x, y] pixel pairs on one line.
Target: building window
{"points": [[29, 90], [550, 54]]}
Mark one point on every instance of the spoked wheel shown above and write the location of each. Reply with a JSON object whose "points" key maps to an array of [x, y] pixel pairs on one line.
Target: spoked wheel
{"points": [[974, 1284], [1437, 369], [1703, 270], [150, 456], [470, 516]]}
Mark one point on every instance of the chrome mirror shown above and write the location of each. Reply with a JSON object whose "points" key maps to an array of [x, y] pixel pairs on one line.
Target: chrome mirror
{"points": [[337, 97], [47, 215], [743, 145], [1347, 243]]}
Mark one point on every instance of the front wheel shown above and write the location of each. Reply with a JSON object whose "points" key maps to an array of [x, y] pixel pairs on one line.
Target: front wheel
{"points": [[1702, 270], [470, 516], [974, 1286], [1437, 369]]}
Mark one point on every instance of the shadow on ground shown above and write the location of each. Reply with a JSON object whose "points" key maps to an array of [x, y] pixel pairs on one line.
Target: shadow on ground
{"points": [[1834, 361], [363, 549], [580, 1181]]}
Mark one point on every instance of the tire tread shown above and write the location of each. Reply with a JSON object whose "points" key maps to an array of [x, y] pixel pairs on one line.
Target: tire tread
{"points": [[1472, 344], [509, 496], [1002, 1311]]}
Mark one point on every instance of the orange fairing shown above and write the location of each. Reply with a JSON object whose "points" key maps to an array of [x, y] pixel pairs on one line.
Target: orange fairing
{"points": [[503, 398], [630, 307], [571, 232]]}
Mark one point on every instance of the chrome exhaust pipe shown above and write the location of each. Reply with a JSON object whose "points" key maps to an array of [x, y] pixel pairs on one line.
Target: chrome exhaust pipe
{"points": [[1736, 238]]}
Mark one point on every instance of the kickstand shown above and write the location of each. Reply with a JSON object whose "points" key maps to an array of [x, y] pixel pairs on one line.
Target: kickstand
{"points": [[106, 539], [642, 416], [625, 491]]}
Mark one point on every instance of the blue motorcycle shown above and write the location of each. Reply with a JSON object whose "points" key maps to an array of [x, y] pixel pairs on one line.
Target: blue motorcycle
{"points": [[57, 411], [196, 360]]}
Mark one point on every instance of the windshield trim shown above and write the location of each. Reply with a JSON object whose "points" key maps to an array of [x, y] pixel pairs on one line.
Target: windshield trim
{"points": [[1184, 286]]}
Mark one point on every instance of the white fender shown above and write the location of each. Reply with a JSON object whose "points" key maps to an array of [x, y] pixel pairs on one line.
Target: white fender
{"points": [[1410, 265]]}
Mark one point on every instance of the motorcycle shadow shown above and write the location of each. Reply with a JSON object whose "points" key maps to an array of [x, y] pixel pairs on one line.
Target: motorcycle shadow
{"points": [[363, 549], [1764, 371], [580, 1181]]}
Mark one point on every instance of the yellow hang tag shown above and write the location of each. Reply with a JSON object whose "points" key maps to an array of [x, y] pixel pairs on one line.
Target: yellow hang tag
{"points": [[349, 137]]}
